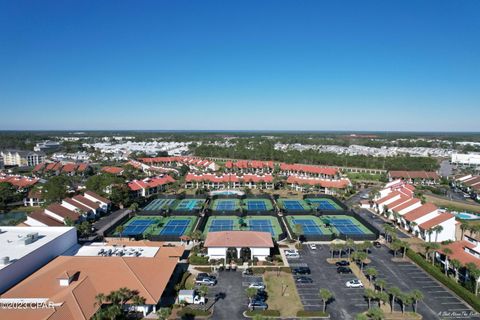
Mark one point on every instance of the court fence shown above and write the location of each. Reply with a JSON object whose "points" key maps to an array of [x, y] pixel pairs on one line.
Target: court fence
{"points": [[327, 196]]}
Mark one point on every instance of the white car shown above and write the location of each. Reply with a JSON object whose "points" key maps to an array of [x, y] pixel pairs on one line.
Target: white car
{"points": [[354, 284], [257, 285], [312, 246], [292, 254]]}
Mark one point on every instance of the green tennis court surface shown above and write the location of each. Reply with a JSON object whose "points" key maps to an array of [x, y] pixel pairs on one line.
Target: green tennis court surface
{"points": [[189, 205], [253, 204], [157, 225], [293, 205], [248, 223], [159, 204], [225, 205], [345, 225], [323, 204]]}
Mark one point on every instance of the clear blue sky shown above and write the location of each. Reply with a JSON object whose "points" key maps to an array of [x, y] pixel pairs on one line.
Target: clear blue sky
{"points": [[310, 65]]}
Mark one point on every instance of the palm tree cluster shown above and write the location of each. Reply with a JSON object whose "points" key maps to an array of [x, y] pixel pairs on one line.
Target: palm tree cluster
{"points": [[383, 295], [112, 305]]}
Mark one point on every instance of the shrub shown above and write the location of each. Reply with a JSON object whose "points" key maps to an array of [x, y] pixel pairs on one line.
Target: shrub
{"points": [[462, 292], [266, 313], [186, 311], [311, 313], [197, 260], [184, 279]]}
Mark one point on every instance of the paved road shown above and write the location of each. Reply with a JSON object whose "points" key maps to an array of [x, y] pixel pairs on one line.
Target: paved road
{"points": [[377, 222], [356, 198], [446, 169], [232, 301]]}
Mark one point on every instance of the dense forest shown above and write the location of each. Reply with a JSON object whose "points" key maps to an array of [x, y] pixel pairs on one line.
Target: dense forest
{"points": [[265, 151]]}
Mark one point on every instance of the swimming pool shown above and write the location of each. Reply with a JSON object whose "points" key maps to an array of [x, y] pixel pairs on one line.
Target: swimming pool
{"points": [[467, 216], [227, 192]]}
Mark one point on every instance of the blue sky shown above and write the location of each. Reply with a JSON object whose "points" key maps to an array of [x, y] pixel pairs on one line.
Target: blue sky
{"points": [[277, 65]]}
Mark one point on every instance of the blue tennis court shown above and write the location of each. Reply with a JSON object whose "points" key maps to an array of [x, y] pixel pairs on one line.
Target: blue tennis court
{"points": [[292, 205], [189, 204], [225, 205], [137, 227], [323, 204], [261, 225], [221, 225], [256, 205], [309, 226], [175, 227], [346, 226]]}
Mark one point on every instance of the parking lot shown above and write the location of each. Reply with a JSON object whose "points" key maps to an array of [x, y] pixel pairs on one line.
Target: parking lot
{"points": [[230, 294], [407, 276], [376, 221], [348, 301], [439, 302]]}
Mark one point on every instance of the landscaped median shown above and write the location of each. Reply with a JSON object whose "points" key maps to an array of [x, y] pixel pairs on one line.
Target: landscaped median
{"points": [[462, 292]]}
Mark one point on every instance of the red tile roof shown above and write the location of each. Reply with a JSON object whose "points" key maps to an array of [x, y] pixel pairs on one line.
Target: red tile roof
{"points": [[250, 239], [268, 178], [459, 253], [45, 219], [389, 196], [339, 184], [112, 170], [150, 182], [414, 175], [77, 205], [419, 212], [398, 202], [308, 169], [69, 167], [18, 181], [405, 205], [86, 202], [442, 217], [62, 211]]}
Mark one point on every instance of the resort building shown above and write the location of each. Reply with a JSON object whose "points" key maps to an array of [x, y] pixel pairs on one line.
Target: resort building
{"points": [[228, 181], [415, 177], [23, 250], [246, 245], [22, 158], [320, 185], [250, 166], [307, 171], [150, 186], [71, 283]]}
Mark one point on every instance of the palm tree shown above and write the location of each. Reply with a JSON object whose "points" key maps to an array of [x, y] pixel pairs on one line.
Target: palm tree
{"points": [[382, 297], [474, 273], [380, 283], [138, 300], [375, 314], [326, 296], [371, 272], [134, 207], [163, 313], [416, 296], [464, 226], [298, 230], [413, 224], [361, 257], [349, 245], [119, 230], [435, 247], [251, 293], [429, 232], [404, 246], [456, 265], [100, 299], [393, 292], [405, 299], [447, 252], [438, 229], [369, 294], [395, 246]]}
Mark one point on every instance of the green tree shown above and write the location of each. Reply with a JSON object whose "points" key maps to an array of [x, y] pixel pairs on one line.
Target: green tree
{"points": [[381, 283], [251, 293], [8, 194], [119, 230], [369, 294], [474, 273], [456, 265], [163, 313], [326, 296], [394, 292], [416, 296], [55, 189], [371, 272], [447, 252], [375, 314]]}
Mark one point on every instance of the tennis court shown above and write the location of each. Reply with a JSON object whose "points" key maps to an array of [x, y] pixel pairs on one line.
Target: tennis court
{"points": [[257, 204], [137, 227], [226, 205], [346, 225], [311, 225], [248, 223], [159, 204], [157, 225], [189, 204], [175, 227], [323, 204], [291, 205]]}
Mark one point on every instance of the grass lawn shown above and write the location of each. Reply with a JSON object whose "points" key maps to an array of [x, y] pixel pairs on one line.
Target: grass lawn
{"points": [[451, 204], [289, 303]]}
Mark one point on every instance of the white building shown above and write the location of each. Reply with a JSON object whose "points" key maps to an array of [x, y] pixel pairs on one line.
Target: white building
{"points": [[22, 158], [246, 245], [23, 250], [469, 159]]}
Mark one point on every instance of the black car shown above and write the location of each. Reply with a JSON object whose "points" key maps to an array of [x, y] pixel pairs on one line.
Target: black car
{"points": [[304, 279], [261, 295], [344, 270], [301, 270], [342, 263]]}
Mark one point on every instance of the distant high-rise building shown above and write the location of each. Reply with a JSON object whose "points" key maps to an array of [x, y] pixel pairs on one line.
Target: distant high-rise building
{"points": [[22, 158], [47, 146]]}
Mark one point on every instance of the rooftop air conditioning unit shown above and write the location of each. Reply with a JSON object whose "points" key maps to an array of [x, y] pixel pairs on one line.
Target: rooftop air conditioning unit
{"points": [[4, 261]]}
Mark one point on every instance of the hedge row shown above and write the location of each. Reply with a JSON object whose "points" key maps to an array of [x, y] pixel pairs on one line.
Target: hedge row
{"points": [[263, 270], [266, 313], [312, 313], [462, 292], [193, 312]]}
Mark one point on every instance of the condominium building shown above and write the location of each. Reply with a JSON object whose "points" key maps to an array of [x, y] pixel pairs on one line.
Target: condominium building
{"points": [[22, 158]]}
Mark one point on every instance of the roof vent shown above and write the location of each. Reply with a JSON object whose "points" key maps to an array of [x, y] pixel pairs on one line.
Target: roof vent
{"points": [[4, 261], [30, 238], [66, 278]]}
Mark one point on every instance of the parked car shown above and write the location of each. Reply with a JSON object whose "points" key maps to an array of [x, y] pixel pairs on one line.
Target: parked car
{"points": [[292, 254], [207, 281], [312, 246], [303, 279], [191, 297], [248, 272], [342, 263], [344, 270], [257, 305], [354, 284], [377, 244], [261, 295], [301, 270], [257, 285], [202, 275]]}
